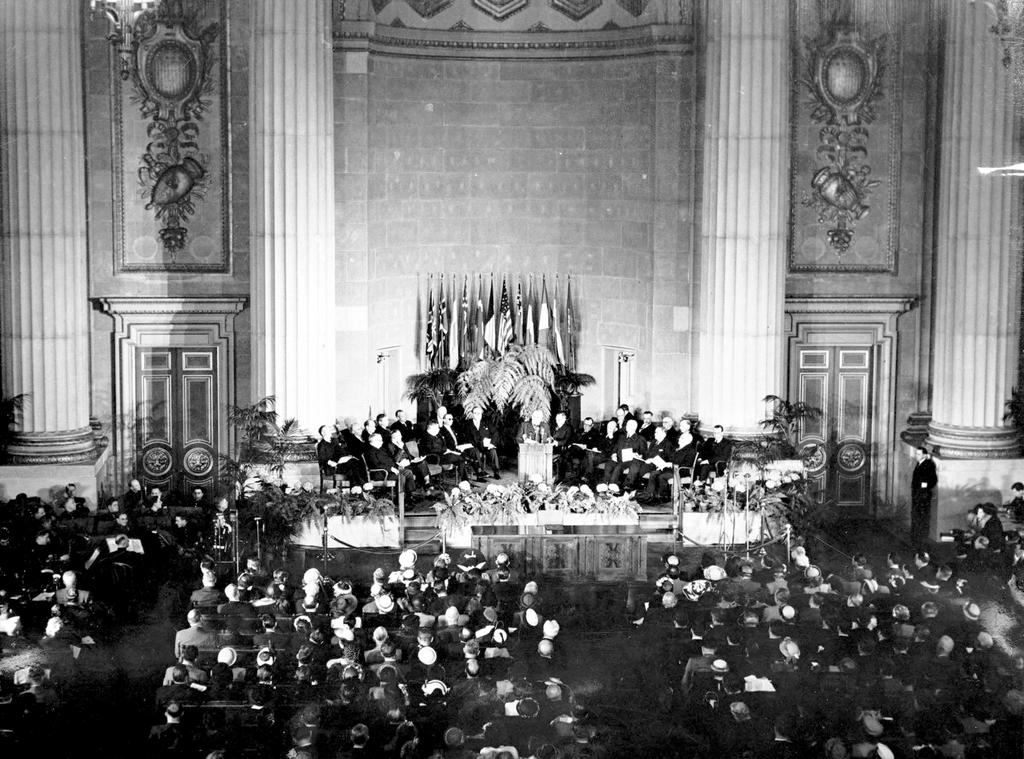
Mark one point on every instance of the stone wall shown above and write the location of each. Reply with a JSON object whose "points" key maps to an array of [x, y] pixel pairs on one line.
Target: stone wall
{"points": [[580, 167]]}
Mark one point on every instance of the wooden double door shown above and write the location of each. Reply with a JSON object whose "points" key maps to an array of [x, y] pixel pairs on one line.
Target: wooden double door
{"points": [[837, 446], [177, 417]]}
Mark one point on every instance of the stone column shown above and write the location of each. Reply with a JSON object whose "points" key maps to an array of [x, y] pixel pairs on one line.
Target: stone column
{"points": [[977, 263], [746, 160], [44, 317], [291, 136]]}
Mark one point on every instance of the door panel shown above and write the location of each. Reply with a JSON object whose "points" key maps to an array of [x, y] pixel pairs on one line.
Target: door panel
{"points": [[177, 417], [837, 379]]}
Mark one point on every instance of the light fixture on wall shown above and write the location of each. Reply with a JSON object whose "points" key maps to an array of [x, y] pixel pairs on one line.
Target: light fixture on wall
{"points": [[625, 357], [122, 16], [382, 357]]}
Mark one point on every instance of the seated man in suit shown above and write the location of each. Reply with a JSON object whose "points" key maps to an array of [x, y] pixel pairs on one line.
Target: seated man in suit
{"points": [[464, 448], [407, 428], [344, 456], [686, 455], [585, 450], [647, 426], [325, 455], [377, 458], [405, 460], [715, 454], [432, 444], [657, 464], [535, 429], [563, 436], [481, 435], [627, 458]]}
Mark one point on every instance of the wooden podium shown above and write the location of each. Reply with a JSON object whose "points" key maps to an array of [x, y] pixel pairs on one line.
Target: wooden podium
{"points": [[535, 459]]}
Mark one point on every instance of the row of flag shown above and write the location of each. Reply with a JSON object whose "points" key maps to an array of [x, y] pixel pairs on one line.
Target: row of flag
{"points": [[467, 318]]}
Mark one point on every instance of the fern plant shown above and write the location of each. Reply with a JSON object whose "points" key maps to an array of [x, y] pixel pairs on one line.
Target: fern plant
{"points": [[783, 426], [522, 379], [264, 443]]}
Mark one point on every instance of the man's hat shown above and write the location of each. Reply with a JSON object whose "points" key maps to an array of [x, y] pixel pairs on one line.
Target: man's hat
{"points": [[432, 687], [227, 655], [527, 708], [427, 656], [546, 648], [173, 709], [872, 727], [551, 628], [532, 618], [719, 666], [385, 603], [407, 559], [972, 611], [265, 656], [714, 573]]}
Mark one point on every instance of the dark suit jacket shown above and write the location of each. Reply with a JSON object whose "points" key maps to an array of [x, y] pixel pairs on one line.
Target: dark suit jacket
{"points": [[564, 435], [637, 443], [924, 474], [378, 458], [539, 434], [432, 445], [476, 435]]}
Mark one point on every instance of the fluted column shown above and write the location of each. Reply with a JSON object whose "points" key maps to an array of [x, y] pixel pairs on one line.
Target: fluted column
{"points": [[44, 346], [746, 154], [292, 208], [977, 264]]}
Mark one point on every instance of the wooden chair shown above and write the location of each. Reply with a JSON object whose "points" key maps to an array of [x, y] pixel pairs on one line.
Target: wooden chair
{"points": [[379, 478]]}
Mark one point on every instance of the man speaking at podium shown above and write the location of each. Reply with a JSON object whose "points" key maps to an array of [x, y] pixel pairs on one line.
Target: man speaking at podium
{"points": [[535, 430]]}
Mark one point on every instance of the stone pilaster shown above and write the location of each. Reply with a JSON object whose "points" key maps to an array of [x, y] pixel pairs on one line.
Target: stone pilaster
{"points": [[977, 265], [291, 136], [44, 329], [746, 156]]}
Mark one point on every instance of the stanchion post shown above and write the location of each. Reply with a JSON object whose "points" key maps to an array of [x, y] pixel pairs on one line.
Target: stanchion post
{"points": [[401, 512], [235, 542], [789, 538]]}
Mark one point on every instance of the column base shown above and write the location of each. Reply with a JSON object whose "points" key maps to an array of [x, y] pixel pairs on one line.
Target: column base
{"points": [[964, 483], [46, 481], [951, 442], [62, 447]]}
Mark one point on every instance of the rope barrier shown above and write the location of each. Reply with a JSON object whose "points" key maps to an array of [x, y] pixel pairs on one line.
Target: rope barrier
{"points": [[390, 551]]}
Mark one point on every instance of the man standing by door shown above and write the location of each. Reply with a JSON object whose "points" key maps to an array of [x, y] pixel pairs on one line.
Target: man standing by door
{"points": [[922, 483]]}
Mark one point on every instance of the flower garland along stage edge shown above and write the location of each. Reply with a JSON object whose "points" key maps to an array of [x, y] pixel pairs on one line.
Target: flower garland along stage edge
{"points": [[285, 508], [513, 503]]}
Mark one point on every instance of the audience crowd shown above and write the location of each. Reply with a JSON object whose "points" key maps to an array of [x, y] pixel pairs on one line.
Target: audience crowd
{"points": [[800, 654]]}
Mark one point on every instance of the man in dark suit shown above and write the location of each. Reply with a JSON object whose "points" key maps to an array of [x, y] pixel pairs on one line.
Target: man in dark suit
{"points": [[535, 429], [646, 430], [627, 458], [432, 444], [715, 454], [922, 486], [563, 436], [407, 428], [481, 435], [657, 463], [463, 448], [405, 460], [379, 462]]}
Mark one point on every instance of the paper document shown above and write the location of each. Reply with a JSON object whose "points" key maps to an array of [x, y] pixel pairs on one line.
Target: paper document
{"points": [[626, 455], [463, 446]]}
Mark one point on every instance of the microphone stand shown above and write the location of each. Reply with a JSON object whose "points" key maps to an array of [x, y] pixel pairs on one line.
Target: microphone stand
{"points": [[234, 541]]}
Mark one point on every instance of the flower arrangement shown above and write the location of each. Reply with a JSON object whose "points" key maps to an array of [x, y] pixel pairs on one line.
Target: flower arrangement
{"points": [[507, 504], [772, 493], [284, 508]]}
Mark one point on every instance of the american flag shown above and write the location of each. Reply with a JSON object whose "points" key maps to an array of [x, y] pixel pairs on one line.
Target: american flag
{"points": [[505, 332]]}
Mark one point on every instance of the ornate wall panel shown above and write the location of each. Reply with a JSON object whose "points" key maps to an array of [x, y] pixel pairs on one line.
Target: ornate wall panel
{"points": [[170, 147], [512, 15], [846, 136]]}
